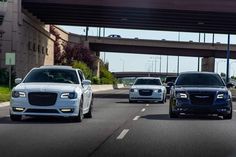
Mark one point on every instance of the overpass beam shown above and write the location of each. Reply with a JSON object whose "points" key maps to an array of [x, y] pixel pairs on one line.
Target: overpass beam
{"points": [[208, 64]]}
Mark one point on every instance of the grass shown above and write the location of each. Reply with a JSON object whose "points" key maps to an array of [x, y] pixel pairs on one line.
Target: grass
{"points": [[4, 94]]}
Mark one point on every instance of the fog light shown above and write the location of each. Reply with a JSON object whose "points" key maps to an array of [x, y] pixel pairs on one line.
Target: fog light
{"points": [[18, 109], [66, 110], [222, 110]]}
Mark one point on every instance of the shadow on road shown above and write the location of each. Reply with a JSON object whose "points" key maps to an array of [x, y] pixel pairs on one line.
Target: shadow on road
{"points": [[111, 96], [37, 120], [182, 117]]}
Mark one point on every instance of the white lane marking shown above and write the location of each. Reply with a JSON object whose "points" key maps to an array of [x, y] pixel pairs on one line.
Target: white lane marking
{"points": [[143, 110], [147, 105], [136, 118], [234, 110], [122, 134]]}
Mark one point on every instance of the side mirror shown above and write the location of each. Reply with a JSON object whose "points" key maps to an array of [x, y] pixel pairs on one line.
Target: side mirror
{"points": [[230, 85], [18, 80], [170, 84], [86, 82]]}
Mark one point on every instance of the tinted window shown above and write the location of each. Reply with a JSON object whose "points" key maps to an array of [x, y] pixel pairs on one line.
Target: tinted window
{"points": [[199, 80], [52, 75], [170, 79], [148, 82]]}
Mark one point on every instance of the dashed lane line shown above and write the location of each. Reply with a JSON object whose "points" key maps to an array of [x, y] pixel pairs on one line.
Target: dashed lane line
{"points": [[147, 105], [143, 110], [122, 134], [136, 118]]}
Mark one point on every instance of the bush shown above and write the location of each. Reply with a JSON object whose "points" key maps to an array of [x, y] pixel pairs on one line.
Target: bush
{"points": [[3, 77], [106, 76], [95, 80], [82, 66]]}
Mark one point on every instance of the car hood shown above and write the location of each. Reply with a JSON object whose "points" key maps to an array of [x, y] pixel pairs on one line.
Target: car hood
{"points": [[201, 89], [147, 87], [46, 87]]}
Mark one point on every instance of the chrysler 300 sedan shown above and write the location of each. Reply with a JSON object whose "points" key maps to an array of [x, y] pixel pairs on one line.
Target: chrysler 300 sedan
{"points": [[147, 89], [52, 91], [200, 93]]}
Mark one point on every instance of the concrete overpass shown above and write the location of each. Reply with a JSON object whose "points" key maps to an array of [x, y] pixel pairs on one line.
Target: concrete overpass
{"points": [[142, 74], [159, 47], [216, 16]]}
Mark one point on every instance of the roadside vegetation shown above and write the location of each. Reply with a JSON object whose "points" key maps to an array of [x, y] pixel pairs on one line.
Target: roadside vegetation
{"points": [[4, 94], [66, 53]]}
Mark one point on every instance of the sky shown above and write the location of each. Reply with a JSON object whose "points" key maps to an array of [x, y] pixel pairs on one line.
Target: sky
{"points": [[119, 62]]}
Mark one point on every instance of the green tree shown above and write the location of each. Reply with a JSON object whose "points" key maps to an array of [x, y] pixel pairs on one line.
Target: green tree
{"points": [[82, 66]]}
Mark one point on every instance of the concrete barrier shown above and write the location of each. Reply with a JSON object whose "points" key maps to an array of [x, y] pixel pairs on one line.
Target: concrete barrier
{"points": [[233, 91], [97, 88]]}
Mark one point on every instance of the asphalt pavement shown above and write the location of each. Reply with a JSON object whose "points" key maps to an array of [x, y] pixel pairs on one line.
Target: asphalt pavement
{"points": [[119, 129]]}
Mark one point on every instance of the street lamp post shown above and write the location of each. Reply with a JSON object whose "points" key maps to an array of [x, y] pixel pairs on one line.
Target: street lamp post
{"points": [[123, 64]]}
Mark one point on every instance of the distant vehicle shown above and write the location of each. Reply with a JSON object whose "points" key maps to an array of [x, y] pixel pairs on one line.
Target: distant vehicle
{"points": [[114, 36], [147, 89], [200, 93], [52, 91], [170, 80]]}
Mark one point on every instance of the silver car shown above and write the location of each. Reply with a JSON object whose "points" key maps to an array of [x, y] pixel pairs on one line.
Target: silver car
{"points": [[52, 91], [147, 89]]}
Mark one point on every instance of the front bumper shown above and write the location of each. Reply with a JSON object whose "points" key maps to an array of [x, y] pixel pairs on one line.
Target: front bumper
{"points": [[135, 96], [54, 110], [216, 108]]}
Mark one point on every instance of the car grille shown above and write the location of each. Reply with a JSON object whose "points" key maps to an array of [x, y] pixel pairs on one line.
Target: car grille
{"points": [[41, 111], [145, 92], [202, 98], [42, 98]]}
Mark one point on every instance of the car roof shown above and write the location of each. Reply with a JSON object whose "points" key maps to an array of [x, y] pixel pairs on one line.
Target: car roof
{"points": [[56, 67], [196, 72], [147, 78]]}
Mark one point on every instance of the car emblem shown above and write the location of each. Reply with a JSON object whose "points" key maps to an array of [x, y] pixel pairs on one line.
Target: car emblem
{"points": [[202, 97]]}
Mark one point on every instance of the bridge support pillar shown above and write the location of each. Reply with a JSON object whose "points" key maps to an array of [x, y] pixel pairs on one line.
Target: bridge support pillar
{"points": [[208, 64], [97, 69]]}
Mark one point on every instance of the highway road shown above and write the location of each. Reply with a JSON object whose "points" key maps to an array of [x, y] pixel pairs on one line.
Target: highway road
{"points": [[119, 129]]}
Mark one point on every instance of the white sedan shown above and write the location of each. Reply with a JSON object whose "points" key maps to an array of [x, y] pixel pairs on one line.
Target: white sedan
{"points": [[52, 91], [147, 89]]}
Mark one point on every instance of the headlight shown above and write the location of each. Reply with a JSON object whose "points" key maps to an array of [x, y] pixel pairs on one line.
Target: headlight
{"points": [[133, 90], [70, 95], [158, 91], [18, 94], [182, 95], [221, 96]]}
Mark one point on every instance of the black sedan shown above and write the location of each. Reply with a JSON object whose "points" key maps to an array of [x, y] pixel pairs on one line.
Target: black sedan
{"points": [[200, 93]]}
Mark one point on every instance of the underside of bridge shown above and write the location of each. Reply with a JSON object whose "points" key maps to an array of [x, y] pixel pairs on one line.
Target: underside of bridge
{"points": [[216, 16]]}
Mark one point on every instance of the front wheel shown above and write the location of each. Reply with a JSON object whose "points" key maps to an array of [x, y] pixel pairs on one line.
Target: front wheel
{"points": [[171, 113], [80, 115], [89, 114], [15, 117], [228, 116]]}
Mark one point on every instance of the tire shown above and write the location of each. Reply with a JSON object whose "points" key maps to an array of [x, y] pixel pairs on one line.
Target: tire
{"points": [[163, 100], [228, 116], [80, 115], [131, 101], [89, 114], [171, 113], [15, 117]]}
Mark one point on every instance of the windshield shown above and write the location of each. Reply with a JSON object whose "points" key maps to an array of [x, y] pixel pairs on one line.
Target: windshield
{"points": [[147, 82], [170, 79], [199, 80], [52, 75]]}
